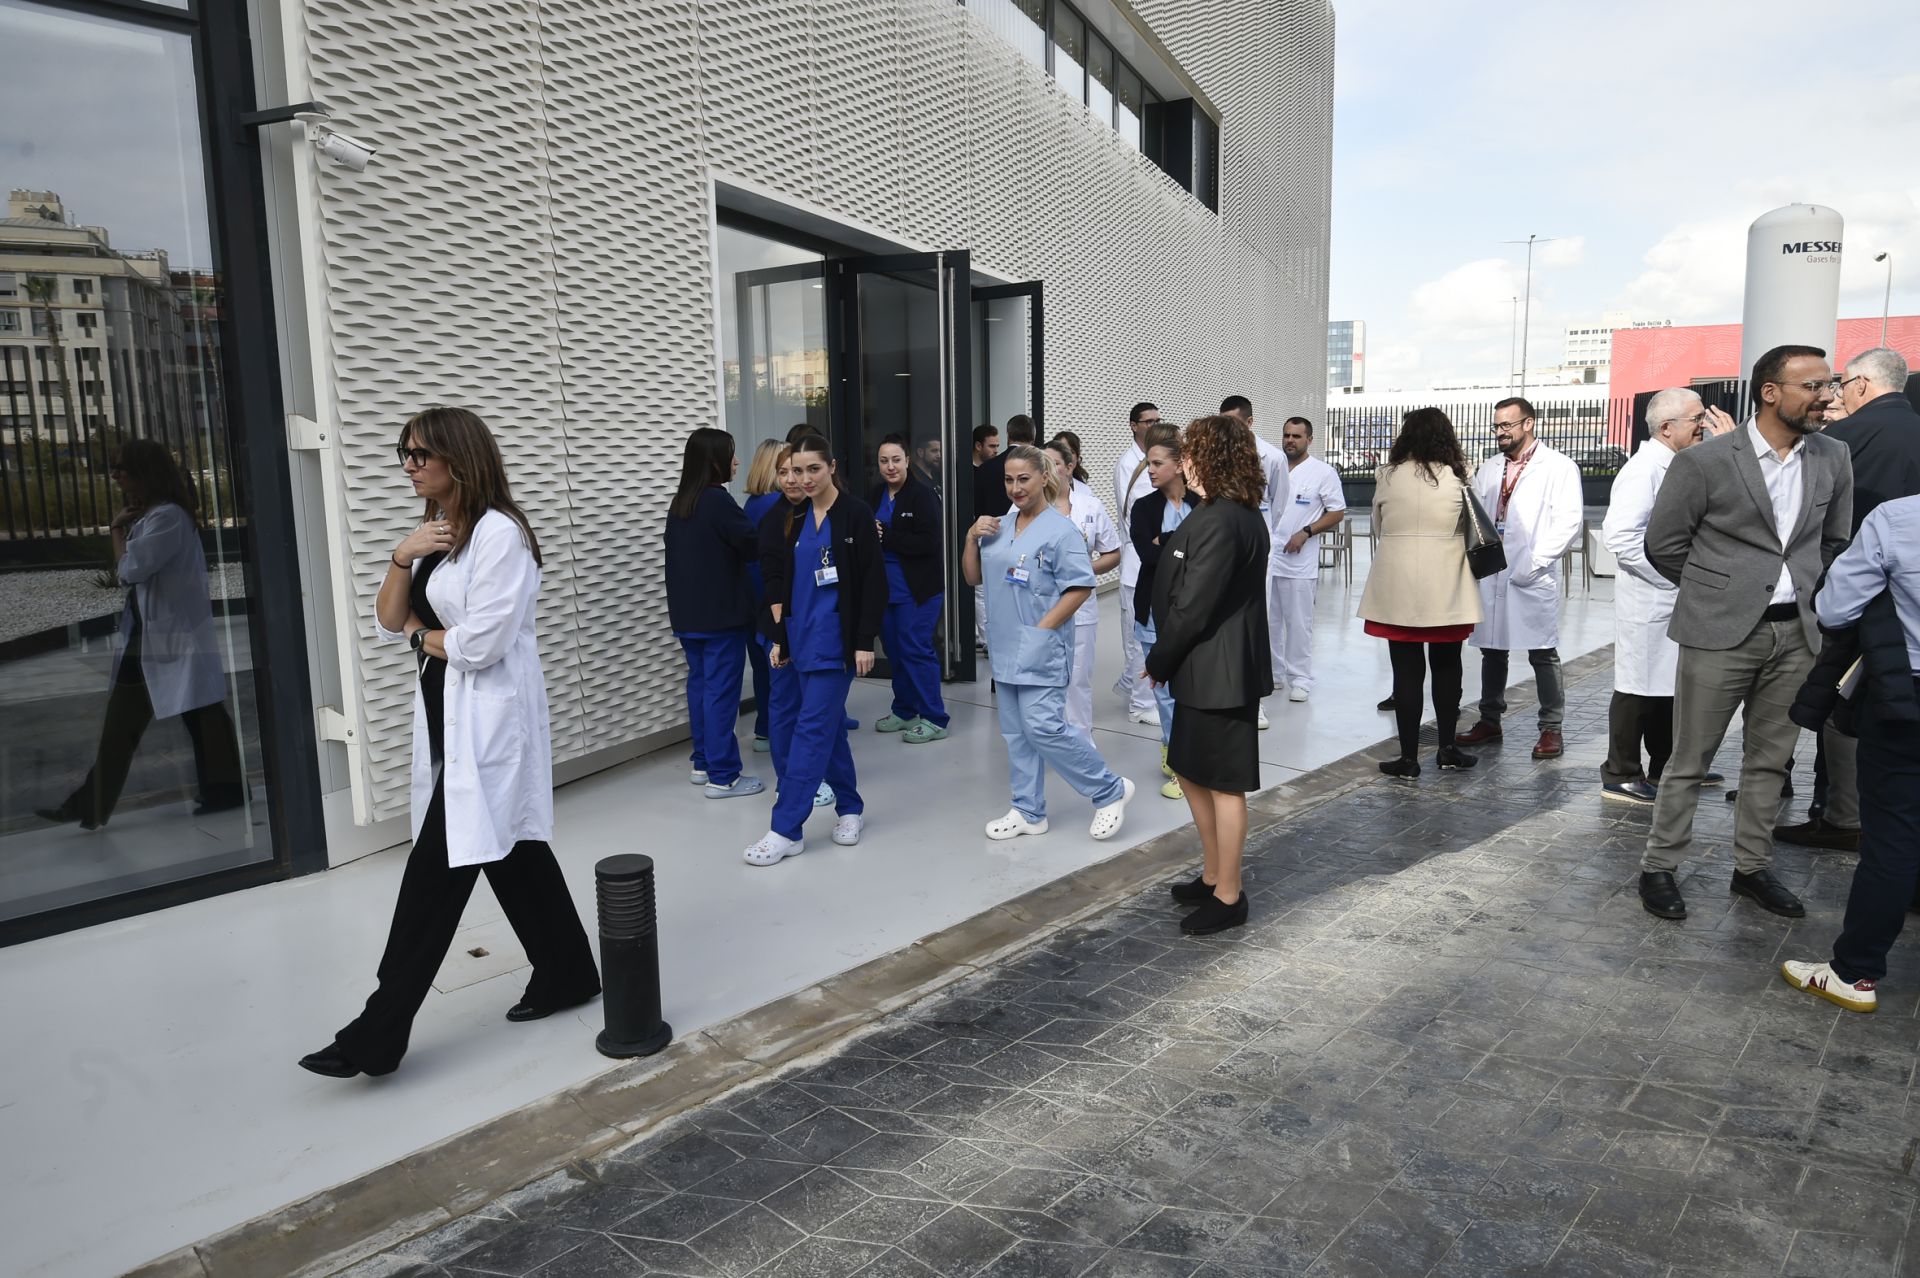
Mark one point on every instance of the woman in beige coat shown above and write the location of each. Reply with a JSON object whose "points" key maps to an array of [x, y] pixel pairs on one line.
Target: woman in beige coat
{"points": [[1420, 596]]}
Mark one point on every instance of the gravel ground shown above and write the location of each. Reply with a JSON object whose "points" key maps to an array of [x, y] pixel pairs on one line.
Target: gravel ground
{"points": [[34, 601]]}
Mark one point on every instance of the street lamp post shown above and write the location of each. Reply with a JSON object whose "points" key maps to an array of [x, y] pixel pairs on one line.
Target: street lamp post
{"points": [[1526, 322], [1886, 303], [1513, 340]]}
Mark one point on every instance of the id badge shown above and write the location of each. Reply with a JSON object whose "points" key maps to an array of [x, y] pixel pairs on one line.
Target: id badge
{"points": [[1500, 528], [828, 576], [1018, 572]]}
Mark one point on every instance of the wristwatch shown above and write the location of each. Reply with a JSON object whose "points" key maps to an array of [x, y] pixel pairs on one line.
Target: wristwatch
{"points": [[418, 639]]}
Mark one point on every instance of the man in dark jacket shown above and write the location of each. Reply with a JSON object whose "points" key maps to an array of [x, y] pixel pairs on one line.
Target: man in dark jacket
{"points": [[1882, 432], [990, 477]]}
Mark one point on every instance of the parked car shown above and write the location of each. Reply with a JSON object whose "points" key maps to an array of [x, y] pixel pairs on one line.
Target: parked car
{"points": [[1602, 461]]}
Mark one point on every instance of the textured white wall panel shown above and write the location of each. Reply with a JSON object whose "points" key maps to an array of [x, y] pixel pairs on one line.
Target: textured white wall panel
{"points": [[534, 241]]}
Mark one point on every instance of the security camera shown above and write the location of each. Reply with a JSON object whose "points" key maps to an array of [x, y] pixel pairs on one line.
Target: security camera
{"points": [[347, 152]]}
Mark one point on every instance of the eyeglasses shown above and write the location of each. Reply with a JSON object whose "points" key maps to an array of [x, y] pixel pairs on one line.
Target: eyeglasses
{"points": [[1842, 385], [418, 456], [1813, 387]]}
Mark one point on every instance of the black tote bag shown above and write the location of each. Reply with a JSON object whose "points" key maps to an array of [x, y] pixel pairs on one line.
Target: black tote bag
{"points": [[1485, 555]]}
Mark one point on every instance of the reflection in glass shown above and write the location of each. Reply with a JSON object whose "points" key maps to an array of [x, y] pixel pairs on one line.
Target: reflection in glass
{"points": [[1100, 80], [1070, 52], [122, 595], [1127, 106], [773, 338], [1022, 23]]}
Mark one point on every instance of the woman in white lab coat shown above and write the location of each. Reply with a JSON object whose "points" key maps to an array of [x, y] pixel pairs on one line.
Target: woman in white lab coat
{"points": [[168, 662], [461, 590], [1087, 513]]}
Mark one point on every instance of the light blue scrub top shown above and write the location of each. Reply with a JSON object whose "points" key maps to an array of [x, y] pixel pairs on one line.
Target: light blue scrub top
{"points": [[1054, 556], [814, 628]]}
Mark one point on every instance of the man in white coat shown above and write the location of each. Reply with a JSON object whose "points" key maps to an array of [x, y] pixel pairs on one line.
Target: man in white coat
{"points": [[1278, 494], [1318, 503], [1644, 658], [1532, 492], [1130, 484]]}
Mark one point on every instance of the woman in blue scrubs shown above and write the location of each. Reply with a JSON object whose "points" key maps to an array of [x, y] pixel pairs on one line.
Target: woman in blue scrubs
{"points": [[825, 599], [908, 511], [763, 494], [783, 684], [1034, 566]]}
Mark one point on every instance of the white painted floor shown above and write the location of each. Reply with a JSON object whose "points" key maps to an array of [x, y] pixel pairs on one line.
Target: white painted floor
{"points": [[148, 1092]]}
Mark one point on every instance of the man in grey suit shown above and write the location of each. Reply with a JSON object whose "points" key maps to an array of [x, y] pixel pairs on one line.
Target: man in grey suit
{"points": [[1745, 525]]}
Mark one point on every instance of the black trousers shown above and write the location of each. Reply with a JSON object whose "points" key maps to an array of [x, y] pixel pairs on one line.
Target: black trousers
{"points": [[1633, 719], [1411, 661], [533, 894], [1885, 880], [216, 748]]}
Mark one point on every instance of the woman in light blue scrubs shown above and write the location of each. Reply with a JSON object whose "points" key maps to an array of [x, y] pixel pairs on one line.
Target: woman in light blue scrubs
{"points": [[1034, 566]]}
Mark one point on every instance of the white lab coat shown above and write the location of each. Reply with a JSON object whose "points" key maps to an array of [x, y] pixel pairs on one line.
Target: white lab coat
{"points": [[1090, 516], [498, 754], [1130, 484], [1520, 605], [1279, 489], [179, 646], [1644, 658]]}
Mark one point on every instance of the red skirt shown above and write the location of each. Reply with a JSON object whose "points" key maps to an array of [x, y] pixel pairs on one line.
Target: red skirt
{"points": [[1419, 634]]}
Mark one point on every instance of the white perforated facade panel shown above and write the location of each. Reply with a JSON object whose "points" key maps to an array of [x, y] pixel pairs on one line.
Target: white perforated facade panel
{"points": [[534, 240]]}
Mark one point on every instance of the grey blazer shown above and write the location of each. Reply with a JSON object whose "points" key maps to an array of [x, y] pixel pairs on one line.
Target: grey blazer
{"points": [[1711, 534]]}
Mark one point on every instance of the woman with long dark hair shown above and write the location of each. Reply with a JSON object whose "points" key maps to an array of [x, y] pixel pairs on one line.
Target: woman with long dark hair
{"points": [[462, 590], [783, 682], [763, 494], [826, 598], [1151, 520], [1420, 595], [1034, 565], [710, 606], [1210, 647], [907, 514], [168, 664]]}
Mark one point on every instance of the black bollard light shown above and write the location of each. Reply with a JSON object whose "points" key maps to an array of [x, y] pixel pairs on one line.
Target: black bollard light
{"points": [[629, 958]]}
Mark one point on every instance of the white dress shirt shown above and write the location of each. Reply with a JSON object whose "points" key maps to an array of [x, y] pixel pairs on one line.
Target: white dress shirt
{"points": [[1786, 483]]}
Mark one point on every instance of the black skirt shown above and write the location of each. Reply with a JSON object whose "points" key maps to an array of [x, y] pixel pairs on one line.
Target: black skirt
{"points": [[1218, 749]]}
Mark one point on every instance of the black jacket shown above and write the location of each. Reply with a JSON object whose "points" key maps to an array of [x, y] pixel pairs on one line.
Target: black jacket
{"points": [[915, 536], [1886, 693], [856, 553], [1210, 610], [1143, 530], [1884, 438], [707, 555], [990, 486]]}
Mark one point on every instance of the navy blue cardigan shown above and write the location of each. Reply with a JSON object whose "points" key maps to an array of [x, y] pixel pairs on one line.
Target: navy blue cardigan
{"points": [[707, 556], [914, 536]]}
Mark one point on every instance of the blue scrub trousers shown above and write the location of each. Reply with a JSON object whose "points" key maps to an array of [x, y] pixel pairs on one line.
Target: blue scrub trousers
{"points": [[1033, 720], [907, 631], [714, 666], [816, 750], [757, 661], [1162, 695], [783, 707]]}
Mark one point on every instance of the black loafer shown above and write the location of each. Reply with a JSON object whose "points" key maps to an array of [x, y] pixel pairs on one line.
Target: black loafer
{"points": [[1816, 832], [1215, 915], [1661, 895], [1454, 759], [1768, 893], [329, 1061], [1407, 769], [1385, 706], [1193, 891], [525, 1011]]}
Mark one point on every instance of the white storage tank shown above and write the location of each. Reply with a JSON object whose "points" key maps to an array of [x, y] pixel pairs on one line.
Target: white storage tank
{"points": [[1793, 281]]}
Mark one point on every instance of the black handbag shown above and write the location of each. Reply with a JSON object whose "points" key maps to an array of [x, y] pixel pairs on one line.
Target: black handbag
{"points": [[1485, 555]]}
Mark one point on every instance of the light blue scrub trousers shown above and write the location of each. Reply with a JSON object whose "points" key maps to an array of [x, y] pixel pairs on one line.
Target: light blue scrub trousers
{"points": [[714, 665], [1033, 721], [1162, 695], [810, 746]]}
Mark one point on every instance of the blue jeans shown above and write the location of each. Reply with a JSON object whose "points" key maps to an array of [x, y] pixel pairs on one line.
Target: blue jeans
{"points": [[1033, 720], [1162, 696], [907, 631], [815, 750], [714, 666]]}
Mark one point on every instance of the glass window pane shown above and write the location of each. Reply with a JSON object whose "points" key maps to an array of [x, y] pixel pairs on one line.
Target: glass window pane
{"points": [[122, 591], [1070, 52], [1127, 107], [1100, 69], [1021, 23], [773, 340]]}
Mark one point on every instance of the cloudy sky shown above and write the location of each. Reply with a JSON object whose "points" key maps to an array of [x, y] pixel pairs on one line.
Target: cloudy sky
{"points": [[1645, 136]]}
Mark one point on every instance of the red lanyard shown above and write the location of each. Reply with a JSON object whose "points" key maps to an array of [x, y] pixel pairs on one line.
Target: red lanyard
{"points": [[1509, 480]]}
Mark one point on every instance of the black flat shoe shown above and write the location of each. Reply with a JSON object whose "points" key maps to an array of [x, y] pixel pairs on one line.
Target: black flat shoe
{"points": [[330, 1062], [1408, 768], [1454, 759], [1661, 895], [1385, 706], [63, 816], [1768, 893], [1192, 892], [1215, 915], [525, 1011]]}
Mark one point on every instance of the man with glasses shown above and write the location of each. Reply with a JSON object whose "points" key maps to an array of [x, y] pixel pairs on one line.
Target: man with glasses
{"points": [[1744, 526], [1533, 493], [1130, 484], [1882, 434], [1643, 656]]}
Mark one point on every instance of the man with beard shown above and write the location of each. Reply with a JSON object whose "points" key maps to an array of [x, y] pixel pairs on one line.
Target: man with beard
{"points": [[1744, 525], [1318, 503]]}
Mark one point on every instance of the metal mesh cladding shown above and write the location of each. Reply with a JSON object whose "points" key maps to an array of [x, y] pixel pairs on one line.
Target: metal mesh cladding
{"points": [[534, 242]]}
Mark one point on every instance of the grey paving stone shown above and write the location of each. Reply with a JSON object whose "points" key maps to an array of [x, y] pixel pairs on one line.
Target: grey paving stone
{"points": [[959, 1243], [824, 1258], [598, 1257], [521, 1250]]}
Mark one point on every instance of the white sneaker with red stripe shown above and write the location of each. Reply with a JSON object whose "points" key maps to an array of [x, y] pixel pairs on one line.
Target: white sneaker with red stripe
{"points": [[1821, 979]]}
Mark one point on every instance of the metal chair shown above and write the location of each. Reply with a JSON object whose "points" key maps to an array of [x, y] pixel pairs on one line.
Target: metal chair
{"points": [[1336, 549], [1583, 551]]}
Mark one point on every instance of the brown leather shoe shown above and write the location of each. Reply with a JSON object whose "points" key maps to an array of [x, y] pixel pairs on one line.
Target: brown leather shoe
{"points": [[1549, 746], [1479, 733]]}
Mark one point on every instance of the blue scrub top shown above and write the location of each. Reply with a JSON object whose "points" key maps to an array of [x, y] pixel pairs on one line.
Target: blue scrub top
{"points": [[814, 628], [756, 511], [1054, 555], [897, 592]]}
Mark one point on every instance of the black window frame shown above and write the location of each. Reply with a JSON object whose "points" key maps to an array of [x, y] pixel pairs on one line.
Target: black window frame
{"points": [[255, 418]]}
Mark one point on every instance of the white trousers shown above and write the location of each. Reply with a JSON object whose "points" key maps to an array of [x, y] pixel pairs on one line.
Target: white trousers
{"points": [[1080, 687], [1137, 691], [980, 616], [1290, 629]]}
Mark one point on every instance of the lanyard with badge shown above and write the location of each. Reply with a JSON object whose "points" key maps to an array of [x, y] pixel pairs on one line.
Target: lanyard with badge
{"points": [[826, 574], [1509, 480]]}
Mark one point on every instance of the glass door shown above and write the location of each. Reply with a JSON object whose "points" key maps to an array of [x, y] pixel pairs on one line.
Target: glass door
{"points": [[901, 366], [1008, 353]]}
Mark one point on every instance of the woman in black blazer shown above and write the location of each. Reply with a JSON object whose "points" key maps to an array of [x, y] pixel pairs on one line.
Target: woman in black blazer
{"points": [[1210, 647], [906, 511]]}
